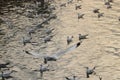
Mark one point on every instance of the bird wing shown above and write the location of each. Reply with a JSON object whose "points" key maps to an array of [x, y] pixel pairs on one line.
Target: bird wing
{"points": [[60, 53], [0, 75], [35, 54], [55, 55]]}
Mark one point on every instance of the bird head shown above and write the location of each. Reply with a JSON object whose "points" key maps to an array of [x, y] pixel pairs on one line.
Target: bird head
{"points": [[79, 34], [72, 37], [74, 76], [45, 60]]}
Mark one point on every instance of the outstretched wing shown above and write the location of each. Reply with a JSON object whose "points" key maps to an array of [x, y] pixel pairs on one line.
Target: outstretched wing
{"points": [[35, 54], [60, 53]]}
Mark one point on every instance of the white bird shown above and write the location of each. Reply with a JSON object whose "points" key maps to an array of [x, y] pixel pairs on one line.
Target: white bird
{"points": [[54, 56]]}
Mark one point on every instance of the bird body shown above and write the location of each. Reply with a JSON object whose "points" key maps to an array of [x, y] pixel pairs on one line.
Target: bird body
{"points": [[48, 31], [109, 6], [26, 40], [48, 38], [70, 1], [100, 15], [80, 15], [49, 58], [31, 31]]}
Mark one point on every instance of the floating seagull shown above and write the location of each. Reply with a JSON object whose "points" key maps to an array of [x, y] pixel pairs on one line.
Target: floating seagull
{"points": [[89, 71], [4, 65], [96, 10], [26, 40], [107, 3], [43, 69], [109, 6], [56, 55], [48, 31], [77, 6], [80, 16], [6, 75], [69, 1], [82, 36], [48, 38], [100, 15], [69, 39]]}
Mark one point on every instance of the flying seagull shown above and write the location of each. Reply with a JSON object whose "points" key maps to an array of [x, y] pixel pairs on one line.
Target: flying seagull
{"points": [[56, 55]]}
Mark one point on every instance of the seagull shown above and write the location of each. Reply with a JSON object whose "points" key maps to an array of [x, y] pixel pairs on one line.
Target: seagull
{"points": [[69, 39], [82, 36], [100, 15], [26, 40], [4, 65], [107, 3], [6, 75], [96, 10], [80, 15], [43, 69], [70, 1], [48, 38], [89, 71], [48, 31], [109, 6], [55, 56], [77, 6]]}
